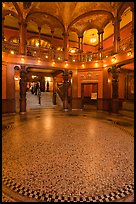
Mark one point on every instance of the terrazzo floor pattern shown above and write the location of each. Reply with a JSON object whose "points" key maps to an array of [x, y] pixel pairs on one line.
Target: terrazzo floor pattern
{"points": [[54, 156]]}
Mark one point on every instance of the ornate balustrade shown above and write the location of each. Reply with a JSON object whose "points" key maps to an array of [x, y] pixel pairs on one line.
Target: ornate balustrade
{"points": [[51, 54], [126, 44], [10, 47]]}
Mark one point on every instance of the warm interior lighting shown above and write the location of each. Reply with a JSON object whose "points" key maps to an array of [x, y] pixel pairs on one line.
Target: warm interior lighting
{"points": [[74, 60], [12, 52], [106, 56], [22, 59], [96, 64], [46, 56], [16, 79], [48, 79], [59, 58], [109, 80], [113, 59], [53, 63], [37, 44], [72, 51], [33, 76], [39, 61], [93, 39], [83, 65], [66, 64], [3, 4], [129, 53]]}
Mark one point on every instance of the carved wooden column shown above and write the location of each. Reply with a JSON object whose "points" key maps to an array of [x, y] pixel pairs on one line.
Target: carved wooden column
{"points": [[42, 84], [3, 28], [23, 87], [66, 46], [54, 90], [65, 90], [116, 24], [22, 39], [115, 72]]}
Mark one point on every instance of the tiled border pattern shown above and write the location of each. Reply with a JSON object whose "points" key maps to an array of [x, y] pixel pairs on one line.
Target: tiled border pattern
{"points": [[40, 196]]}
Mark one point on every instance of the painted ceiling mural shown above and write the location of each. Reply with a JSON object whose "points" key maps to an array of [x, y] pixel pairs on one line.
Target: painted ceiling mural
{"points": [[76, 17]]}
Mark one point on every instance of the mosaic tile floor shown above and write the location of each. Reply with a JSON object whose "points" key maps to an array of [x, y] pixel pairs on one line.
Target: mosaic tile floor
{"points": [[51, 156]]}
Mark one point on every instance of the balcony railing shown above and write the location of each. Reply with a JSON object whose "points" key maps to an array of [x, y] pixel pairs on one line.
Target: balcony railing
{"points": [[126, 44], [50, 54]]}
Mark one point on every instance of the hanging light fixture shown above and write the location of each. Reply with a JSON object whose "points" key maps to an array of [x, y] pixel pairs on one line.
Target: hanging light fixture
{"points": [[93, 39]]}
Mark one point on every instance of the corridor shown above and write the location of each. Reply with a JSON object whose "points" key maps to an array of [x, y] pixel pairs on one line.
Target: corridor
{"points": [[50, 155]]}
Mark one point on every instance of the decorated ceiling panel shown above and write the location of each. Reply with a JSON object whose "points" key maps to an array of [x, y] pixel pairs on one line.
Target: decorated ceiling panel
{"points": [[57, 16]]}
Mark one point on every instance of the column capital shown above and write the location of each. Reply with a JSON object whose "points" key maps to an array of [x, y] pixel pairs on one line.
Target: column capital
{"points": [[101, 31], [65, 34], [52, 31], [39, 28], [22, 23]]}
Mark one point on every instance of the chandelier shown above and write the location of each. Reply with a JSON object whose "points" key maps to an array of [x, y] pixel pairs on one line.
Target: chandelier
{"points": [[93, 39]]}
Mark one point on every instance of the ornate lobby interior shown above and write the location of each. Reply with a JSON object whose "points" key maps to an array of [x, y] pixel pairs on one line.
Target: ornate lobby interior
{"points": [[72, 138]]}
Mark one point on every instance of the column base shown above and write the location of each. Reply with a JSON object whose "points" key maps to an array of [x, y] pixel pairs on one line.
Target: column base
{"points": [[115, 105], [66, 109], [22, 113]]}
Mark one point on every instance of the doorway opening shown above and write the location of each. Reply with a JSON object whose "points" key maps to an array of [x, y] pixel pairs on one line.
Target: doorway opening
{"points": [[89, 95]]}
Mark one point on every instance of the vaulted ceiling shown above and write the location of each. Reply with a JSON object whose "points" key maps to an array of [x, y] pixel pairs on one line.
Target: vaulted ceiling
{"points": [[76, 17]]}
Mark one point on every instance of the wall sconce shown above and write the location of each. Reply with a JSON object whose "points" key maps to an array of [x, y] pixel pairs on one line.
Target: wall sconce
{"points": [[16, 78], [105, 66], [74, 60], [12, 52], [83, 65], [96, 64], [129, 53], [33, 76], [46, 56], [22, 60], [53, 63], [66, 63], [113, 59], [109, 80]]}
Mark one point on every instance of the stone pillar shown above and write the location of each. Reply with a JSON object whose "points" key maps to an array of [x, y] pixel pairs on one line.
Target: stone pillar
{"points": [[66, 46], [115, 102], [65, 90], [100, 43], [116, 24], [23, 86], [3, 28], [39, 29], [22, 40], [80, 47], [42, 84], [52, 41], [54, 91]]}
